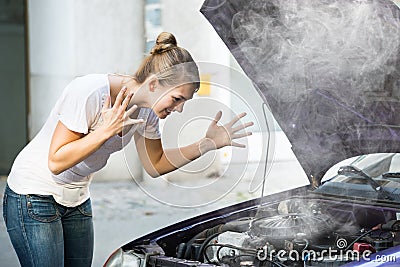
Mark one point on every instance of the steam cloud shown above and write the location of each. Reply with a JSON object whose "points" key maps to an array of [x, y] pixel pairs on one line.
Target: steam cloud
{"points": [[308, 44], [330, 71]]}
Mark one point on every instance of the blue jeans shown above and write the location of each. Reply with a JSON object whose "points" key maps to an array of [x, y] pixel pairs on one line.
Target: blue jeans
{"points": [[45, 233]]}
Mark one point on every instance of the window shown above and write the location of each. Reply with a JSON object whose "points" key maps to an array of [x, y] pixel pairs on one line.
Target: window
{"points": [[152, 22]]}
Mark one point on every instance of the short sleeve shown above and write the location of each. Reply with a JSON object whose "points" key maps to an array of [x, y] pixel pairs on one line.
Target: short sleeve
{"points": [[78, 106], [150, 127]]}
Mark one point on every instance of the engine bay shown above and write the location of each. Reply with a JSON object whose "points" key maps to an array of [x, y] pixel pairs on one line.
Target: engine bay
{"points": [[293, 232]]}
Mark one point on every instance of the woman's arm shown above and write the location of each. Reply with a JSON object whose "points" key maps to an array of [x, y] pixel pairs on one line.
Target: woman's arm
{"points": [[67, 148], [158, 161]]}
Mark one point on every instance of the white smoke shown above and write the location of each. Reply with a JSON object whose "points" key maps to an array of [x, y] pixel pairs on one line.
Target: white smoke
{"points": [[326, 44]]}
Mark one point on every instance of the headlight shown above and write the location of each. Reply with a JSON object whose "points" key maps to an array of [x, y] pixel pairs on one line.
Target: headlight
{"points": [[120, 258]]}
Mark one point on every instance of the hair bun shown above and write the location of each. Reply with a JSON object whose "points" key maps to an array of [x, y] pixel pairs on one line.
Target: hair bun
{"points": [[165, 41]]}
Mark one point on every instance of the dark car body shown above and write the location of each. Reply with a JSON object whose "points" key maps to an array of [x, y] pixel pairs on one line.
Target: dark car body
{"points": [[310, 213], [329, 71]]}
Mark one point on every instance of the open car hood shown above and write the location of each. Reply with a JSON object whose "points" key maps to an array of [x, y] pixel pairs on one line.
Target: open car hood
{"points": [[328, 70]]}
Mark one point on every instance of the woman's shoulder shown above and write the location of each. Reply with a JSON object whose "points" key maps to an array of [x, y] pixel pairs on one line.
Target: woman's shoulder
{"points": [[88, 84], [88, 89], [92, 80]]}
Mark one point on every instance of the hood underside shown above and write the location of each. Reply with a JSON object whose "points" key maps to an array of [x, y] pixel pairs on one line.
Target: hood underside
{"points": [[328, 70]]}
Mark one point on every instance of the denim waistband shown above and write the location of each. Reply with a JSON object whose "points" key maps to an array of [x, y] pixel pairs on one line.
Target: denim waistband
{"points": [[10, 192]]}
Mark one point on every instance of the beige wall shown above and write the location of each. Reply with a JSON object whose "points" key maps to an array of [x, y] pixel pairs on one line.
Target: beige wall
{"points": [[68, 38]]}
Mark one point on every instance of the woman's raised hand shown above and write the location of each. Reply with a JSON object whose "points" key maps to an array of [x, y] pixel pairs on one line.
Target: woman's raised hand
{"points": [[116, 117], [223, 135]]}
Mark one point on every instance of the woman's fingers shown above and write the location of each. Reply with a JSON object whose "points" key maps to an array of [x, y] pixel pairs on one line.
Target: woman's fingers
{"points": [[106, 104], [125, 103], [131, 110], [234, 130], [237, 145], [128, 113], [133, 121], [236, 119], [118, 116], [240, 135], [217, 117], [120, 96], [242, 126]]}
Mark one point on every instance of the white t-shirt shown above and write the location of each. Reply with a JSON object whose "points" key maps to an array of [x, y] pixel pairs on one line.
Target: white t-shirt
{"points": [[79, 109]]}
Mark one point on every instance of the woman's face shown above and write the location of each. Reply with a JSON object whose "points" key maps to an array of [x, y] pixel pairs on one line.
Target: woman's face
{"points": [[172, 100]]}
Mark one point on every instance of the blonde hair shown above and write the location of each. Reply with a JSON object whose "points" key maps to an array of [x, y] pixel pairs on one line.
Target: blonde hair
{"points": [[172, 65]]}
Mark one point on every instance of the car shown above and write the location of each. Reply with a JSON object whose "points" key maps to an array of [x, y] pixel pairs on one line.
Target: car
{"points": [[329, 71]]}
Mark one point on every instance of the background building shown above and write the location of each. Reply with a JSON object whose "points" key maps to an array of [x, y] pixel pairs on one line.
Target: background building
{"points": [[46, 44]]}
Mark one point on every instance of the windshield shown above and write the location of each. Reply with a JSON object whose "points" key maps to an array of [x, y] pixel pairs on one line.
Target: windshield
{"points": [[374, 176]]}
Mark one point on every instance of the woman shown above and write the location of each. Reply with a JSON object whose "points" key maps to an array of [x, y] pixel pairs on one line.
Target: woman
{"points": [[46, 204]]}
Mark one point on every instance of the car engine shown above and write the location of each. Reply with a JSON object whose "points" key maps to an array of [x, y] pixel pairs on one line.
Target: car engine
{"points": [[293, 234], [298, 231]]}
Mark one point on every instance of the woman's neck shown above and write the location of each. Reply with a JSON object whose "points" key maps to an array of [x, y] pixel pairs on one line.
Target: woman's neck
{"points": [[118, 81]]}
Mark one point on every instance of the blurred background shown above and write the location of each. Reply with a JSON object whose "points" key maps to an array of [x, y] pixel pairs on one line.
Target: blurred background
{"points": [[44, 44]]}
